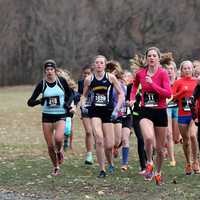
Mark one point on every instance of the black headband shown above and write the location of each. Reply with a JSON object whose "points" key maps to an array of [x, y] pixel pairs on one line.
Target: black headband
{"points": [[49, 65]]}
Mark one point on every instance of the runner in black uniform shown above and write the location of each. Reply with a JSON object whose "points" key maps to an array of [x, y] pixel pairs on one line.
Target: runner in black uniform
{"points": [[102, 111], [86, 71], [55, 100]]}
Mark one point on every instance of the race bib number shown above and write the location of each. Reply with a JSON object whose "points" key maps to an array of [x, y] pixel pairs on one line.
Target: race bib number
{"points": [[150, 99], [100, 100], [53, 101], [185, 104], [171, 104]]}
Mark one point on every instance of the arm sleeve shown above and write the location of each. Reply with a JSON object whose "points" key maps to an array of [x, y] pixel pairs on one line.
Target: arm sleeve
{"points": [[134, 88], [77, 97], [80, 86], [176, 91], [37, 91], [196, 92], [129, 88], [165, 90]]}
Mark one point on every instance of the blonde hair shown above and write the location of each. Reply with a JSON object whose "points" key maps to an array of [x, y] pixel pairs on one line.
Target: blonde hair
{"points": [[137, 62], [66, 75], [100, 56], [185, 62], [113, 65]]}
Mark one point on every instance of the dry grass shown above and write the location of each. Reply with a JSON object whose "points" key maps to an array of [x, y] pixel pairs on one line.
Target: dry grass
{"points": [[25, 166]]}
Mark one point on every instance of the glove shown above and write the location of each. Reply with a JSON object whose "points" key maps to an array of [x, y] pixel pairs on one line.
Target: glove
{"points": [[114, 114], [42, 100]]}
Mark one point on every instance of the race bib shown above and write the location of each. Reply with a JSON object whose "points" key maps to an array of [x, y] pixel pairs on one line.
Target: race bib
{"points": [[171, 104], [150, 99], [100, 100], [53, 101], [185, 104]]}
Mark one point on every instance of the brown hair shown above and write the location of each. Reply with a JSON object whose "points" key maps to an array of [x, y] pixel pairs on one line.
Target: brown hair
{"points": [[153, 48], [113, 65]]}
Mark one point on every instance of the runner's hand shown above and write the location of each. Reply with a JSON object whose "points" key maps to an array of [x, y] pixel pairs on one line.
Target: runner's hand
{"points": [[114, 114], [84, 110], [131, 103], [42, 100]]}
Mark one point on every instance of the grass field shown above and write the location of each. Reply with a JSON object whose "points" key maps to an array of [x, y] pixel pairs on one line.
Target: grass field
{"points": [[25, 165]]}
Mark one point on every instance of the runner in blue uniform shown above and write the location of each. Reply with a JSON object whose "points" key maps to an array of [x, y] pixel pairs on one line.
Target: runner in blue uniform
{"points": [[55, 101]]}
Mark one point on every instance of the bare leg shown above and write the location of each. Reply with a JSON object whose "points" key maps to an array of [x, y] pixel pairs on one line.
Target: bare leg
{"points": [[193, 137], [99, 138], [186, 141], [108, 130], [147, 130], [88, 134], [48, 135], [160, 133], [170, 142]]}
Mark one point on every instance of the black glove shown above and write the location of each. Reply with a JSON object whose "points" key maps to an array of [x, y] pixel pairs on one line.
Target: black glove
{"points": [[42, 100]]}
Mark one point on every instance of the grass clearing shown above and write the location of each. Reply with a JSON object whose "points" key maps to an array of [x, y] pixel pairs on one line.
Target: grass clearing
{"points": [[26, 167]]}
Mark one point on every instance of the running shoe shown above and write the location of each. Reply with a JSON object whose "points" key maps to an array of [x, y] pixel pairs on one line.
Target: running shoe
{"points": [[111, 169], [148, 175], [188, 169], [102, 174], [195, 167], [172, 163], [60, 157], [158, 179], [56, 171], [124, 168], [89, 159], [142, 172]]}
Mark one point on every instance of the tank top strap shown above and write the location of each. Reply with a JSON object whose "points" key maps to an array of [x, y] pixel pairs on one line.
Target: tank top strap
{"points": [[59, 83]]}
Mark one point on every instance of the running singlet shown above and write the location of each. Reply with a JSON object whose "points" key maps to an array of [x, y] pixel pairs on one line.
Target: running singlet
{"points": [[153, 95], [182, 91], [102, 92], [54, 96]]}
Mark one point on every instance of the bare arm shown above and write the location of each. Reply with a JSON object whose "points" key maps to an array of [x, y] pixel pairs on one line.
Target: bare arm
{"points": [[120, 93], [86, 88]]}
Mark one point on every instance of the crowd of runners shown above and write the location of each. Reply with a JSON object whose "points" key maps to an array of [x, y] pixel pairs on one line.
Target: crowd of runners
{"points": [[155, 100]]}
